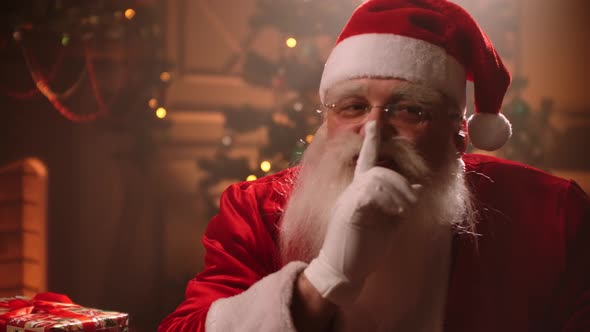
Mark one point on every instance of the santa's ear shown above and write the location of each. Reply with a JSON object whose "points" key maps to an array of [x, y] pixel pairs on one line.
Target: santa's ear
{"points": [[461, 138]]}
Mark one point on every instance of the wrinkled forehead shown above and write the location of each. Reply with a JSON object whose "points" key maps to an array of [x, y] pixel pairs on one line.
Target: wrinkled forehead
{"points": [[389, 86]]}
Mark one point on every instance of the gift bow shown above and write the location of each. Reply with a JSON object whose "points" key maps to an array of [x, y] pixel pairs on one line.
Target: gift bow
{"points": [[52, 303]]}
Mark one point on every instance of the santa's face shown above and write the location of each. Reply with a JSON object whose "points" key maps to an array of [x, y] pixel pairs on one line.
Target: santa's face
{"points": [[421, 116], [416, 142]]}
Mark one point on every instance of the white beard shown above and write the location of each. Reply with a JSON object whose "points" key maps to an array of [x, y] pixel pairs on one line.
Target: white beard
{"points": [[408, 292]]}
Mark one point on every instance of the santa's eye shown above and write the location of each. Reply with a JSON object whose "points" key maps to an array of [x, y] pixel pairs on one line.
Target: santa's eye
{"points": [[350, 108], [407, 113]]}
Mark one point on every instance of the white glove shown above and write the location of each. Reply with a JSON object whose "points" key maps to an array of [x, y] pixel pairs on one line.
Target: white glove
{"points": [[362, 225]]}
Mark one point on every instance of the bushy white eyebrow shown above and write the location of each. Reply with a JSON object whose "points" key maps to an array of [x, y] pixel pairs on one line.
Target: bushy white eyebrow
{"points": [[418, 94], [345, 89], [404, 91]]}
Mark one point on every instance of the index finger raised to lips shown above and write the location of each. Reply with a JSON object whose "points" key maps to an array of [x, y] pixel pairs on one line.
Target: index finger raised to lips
{"points": [[368, 154]]}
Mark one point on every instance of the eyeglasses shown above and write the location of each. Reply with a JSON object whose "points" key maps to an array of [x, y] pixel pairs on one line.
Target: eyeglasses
{"points": [[403, 113]]}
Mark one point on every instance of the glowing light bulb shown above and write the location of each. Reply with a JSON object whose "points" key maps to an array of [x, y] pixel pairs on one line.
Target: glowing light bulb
{"points": [[251, 177], [298, 107], [265, 166], [65, 39], [226, 140], [161, 113], [153, 103], [165, 76], [291, 42], [129, 13]]}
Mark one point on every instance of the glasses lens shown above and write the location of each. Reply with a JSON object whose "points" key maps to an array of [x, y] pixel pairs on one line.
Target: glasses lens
{"points": [[351, 110], [354, 111], [406, 114]]}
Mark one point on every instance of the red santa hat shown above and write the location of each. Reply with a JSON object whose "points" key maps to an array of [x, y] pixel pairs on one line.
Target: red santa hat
{"points": [[432, 42]]}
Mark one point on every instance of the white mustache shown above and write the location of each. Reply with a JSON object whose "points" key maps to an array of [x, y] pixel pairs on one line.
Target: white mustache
{"points": [[399, 155]]}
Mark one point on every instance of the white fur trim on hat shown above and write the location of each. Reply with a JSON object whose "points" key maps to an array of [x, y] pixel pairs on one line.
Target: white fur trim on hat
{"points": [[394, 56], [488, 131]]}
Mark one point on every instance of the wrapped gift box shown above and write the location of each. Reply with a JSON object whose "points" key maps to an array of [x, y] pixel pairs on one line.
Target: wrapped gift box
{"points": [[50, 312]]}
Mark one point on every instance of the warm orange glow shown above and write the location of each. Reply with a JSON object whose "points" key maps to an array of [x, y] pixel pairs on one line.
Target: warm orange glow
{"points": [[291, 42], [161, 113], [153, 103], [309, 138], [165, 76], [265, 166], [130, 13], [251, 177]]}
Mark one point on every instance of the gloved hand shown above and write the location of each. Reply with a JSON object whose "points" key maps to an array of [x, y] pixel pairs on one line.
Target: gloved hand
{"points": [[362, 225]]}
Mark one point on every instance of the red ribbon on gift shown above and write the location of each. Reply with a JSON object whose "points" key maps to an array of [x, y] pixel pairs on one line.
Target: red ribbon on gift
{"points": [[51, 303]]}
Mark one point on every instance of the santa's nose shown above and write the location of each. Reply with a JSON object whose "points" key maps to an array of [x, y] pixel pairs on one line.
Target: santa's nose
{"points": [[387, 129]]}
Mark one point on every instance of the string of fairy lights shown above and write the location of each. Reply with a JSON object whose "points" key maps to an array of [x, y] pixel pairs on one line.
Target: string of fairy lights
{"points": [[290, 69], [293, 75], [266, 165], [80, 30]]}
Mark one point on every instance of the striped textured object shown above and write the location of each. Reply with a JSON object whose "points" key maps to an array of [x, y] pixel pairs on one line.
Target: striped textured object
{"points": [[23, 234]]}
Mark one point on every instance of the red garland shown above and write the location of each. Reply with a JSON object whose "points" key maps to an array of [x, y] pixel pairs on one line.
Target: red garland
{"points": [[42, 85], [95, 90], [34, 91]]}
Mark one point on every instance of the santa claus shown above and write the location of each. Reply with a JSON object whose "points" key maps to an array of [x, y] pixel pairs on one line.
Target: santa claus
{"points": [[387, 225]]}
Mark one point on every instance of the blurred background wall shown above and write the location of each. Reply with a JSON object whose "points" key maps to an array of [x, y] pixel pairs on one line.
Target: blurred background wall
{"points": [[159, 108]]}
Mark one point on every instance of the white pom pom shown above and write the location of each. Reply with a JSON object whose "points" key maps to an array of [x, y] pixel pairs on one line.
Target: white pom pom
{"points": [[488, 131]]}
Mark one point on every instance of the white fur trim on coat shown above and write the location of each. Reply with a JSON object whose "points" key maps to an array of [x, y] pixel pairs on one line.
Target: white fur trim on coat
{"points": [[264, 307], [394, 56]]}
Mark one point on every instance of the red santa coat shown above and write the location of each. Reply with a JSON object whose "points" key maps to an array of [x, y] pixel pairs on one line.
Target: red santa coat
{"points": [[529, 270]]}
